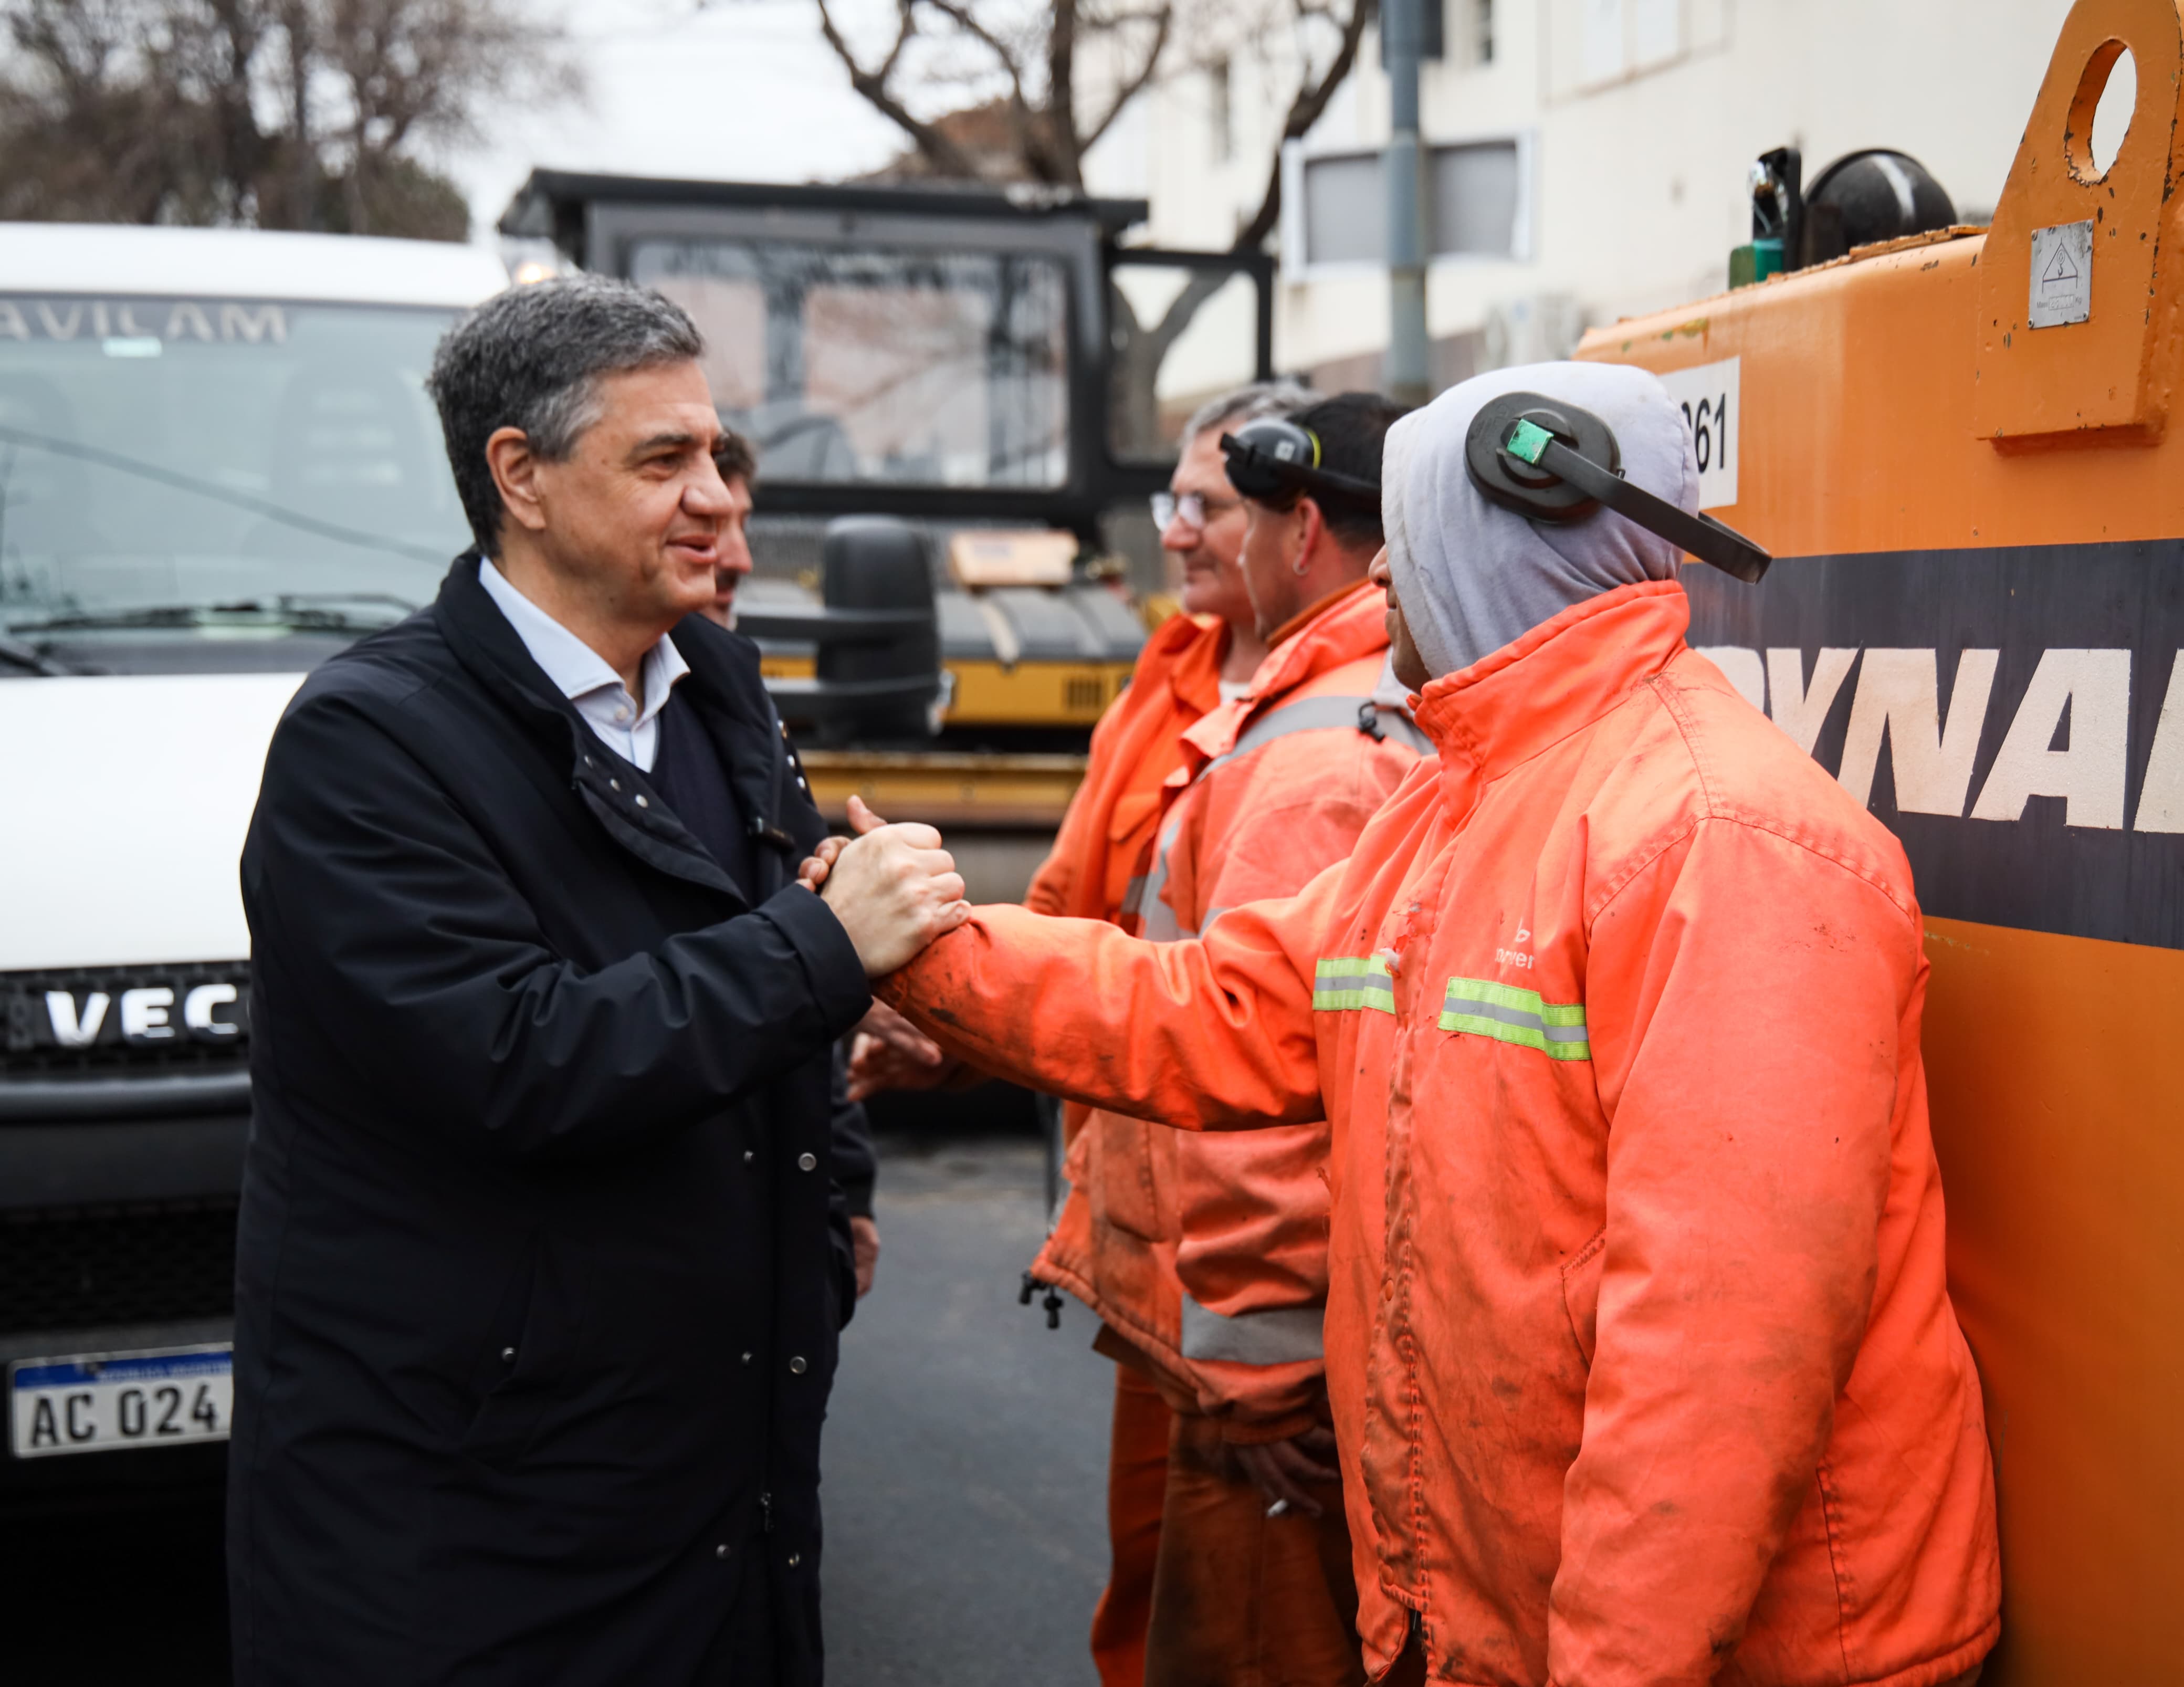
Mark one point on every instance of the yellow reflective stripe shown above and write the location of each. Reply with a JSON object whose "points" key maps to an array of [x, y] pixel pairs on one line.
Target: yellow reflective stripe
{"points": [[1341, 983], [1480, 1007]]}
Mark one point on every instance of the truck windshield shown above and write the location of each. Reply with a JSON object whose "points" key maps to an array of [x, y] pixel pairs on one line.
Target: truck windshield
{"points": [[906, 368], [213, 466]]}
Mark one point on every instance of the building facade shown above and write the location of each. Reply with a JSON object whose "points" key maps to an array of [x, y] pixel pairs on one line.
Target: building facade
{"points": [[1588, 158]]}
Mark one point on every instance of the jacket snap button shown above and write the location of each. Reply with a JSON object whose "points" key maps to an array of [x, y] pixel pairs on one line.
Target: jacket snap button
{"points": [[721, 1551], [807, 1162], [796, 1366], [749, 1155], [614, 784], [794, 1559], [642, 804], [747, 1359], [508, 1356]]}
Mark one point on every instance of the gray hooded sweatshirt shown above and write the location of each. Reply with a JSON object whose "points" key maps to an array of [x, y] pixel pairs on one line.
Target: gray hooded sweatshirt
{"points": [[1472, 576]]}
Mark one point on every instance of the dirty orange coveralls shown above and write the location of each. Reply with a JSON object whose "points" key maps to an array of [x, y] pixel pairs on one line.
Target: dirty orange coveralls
{"points": [[1205, 1258], [1638, 1337], [1093, 870]]}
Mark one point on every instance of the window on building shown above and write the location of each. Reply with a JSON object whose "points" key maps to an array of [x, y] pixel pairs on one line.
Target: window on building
{"points": [[1618, 38], [1345, 213], [1220, 110], [1472, 207], [1482, 31], [1472, 194]]}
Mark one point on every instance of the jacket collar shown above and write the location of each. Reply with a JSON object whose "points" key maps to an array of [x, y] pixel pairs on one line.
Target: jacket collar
{"points": [[1342, 628], [1184, 654], [723, 684], [1305, 617], [1559, 678]]}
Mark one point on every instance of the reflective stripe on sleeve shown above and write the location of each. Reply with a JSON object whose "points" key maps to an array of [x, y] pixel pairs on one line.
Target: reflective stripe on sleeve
{"points": [[1482, 1008], [1158, 920], [1279, 1335], [1342, 982]]}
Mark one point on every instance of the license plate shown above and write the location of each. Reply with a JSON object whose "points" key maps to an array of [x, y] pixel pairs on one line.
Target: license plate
{"points": [[104, 1402]]}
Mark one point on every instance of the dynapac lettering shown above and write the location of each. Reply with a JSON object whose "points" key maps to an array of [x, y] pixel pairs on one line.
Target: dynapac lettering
{"points": [[2083, 696], [1978, 702]]}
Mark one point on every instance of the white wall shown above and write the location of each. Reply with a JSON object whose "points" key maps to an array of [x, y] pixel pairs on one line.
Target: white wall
{"points": [[1637, 181]]}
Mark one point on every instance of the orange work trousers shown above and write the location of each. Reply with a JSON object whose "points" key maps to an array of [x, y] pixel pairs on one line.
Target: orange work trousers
{"points": [[1206, 1589]]}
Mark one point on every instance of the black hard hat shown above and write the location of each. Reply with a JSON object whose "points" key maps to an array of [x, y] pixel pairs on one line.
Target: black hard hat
{"points": [[1873, 195]]}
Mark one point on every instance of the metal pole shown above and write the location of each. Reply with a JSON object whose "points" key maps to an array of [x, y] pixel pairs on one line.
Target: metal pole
{"points": [[1402, 32]]}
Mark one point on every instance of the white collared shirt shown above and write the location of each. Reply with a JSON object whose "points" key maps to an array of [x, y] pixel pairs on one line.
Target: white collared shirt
{"points": [[582, 675]]}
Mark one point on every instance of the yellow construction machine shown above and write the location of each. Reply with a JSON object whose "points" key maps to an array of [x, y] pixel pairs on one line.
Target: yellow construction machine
{"points": [[1966, 450]]}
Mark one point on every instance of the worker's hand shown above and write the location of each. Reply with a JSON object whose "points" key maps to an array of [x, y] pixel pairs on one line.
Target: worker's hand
{"points": [[865, 1248], [1281, 1470], [890, 1053], [893, 888]]}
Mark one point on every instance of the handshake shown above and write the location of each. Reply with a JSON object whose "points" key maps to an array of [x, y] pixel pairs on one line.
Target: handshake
{"points": [[894, 887], [894, 890]]}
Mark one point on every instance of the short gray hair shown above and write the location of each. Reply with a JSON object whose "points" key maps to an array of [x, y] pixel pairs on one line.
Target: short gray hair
{"points": [[1246, 405], [531, 358]]}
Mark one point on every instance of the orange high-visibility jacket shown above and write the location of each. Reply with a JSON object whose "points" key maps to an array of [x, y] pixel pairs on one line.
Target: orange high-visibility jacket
{"points": [[1108, 826], [1209, 1254], [1639, 1341]]}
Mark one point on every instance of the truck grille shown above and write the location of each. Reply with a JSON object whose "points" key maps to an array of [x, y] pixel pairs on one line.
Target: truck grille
{"points": [[85, 1268], [40, 1012]]}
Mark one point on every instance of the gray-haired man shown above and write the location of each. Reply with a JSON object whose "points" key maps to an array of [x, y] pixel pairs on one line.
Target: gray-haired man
{"points": [[542, 1250]]}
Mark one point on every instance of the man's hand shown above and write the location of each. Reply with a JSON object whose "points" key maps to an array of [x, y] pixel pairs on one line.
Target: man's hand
{"points": [[893, 888], [1281, 1469], [812, 870], [890, 1053], [865, 1249]]}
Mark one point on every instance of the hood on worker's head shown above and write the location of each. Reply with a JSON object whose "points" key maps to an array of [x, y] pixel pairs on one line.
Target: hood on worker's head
{"points": [[1471, 576]]}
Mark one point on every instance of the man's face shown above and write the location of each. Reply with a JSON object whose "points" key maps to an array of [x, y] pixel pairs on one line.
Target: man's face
{"points": [[1273, 539], [735, 552], [1212, 582], [1402, 653], [638, 515]]}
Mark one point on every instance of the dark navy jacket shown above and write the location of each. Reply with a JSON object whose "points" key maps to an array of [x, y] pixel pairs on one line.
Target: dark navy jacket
{"points": [[542, 1253]]}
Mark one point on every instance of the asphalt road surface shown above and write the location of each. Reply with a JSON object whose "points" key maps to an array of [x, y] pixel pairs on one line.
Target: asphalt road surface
{"points": [[966, 1542]]}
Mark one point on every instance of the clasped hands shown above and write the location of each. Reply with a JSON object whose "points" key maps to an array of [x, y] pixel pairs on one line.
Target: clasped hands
{"points": [[894, 887], [894, 890]]}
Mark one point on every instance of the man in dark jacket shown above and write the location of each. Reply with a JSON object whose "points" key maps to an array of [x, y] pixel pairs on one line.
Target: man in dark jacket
{"points": [[542, 1250]]}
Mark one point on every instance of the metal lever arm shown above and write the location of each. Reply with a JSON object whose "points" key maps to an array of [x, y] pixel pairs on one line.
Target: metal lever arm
{"points": [[1702, 536]]}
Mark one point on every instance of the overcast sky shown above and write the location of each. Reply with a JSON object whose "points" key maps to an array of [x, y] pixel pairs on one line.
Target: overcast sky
{"points": [[741, 91]]}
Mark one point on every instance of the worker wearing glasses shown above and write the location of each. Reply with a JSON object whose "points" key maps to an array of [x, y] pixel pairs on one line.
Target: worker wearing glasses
{"points": [[1200, 520]]}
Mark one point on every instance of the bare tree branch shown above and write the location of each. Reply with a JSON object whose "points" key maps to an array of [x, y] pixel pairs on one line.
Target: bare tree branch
{"points": [[1034, 142], [938, 150], [287, 113], [1133, 85], [1305, 111]]}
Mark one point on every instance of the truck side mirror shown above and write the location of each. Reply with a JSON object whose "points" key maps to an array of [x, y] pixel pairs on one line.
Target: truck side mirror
{"points": [[877, 565], [877, 671]]}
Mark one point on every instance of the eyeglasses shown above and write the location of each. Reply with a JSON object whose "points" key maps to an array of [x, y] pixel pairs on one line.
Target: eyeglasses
{"points": [[1191, 509]]}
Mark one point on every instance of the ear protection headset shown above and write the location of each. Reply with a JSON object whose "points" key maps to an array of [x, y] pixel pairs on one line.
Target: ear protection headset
{"points": [[1272, 460], [1552, 462]]}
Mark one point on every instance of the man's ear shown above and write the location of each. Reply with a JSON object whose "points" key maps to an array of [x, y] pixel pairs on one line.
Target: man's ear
{"points": [[514, 468], [1310, 526]]}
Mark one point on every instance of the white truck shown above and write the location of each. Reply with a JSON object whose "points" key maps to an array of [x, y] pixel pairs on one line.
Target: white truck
{"points": [[218, 466]]}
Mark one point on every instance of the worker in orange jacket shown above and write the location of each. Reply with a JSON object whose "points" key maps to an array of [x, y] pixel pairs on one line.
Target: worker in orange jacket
{"points": [[1205, 1258], [1252, 777], [1638, 1336]]}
